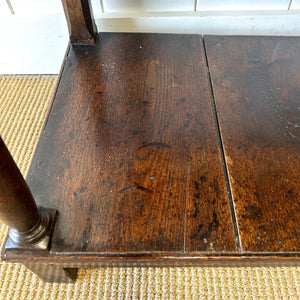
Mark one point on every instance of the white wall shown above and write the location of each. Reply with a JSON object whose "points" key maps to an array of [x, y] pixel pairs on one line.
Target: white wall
{"points": [[270, 23], [244, 17], [38, 28], [34, 39], [146, 5], [191, 5], [295, 4], [31, 7], [222, 5]]}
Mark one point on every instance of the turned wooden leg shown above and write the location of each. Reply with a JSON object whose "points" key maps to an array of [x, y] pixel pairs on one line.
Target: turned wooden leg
{"points": [[81, 23], [52, 272], [29, 225]]}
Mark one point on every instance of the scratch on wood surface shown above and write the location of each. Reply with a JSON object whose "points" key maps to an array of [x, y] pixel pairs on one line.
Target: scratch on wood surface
{"points": [[136, 186], [153, 144], [158, 144], [127, 189]]}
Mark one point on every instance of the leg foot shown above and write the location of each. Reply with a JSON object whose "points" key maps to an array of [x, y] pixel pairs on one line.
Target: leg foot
{"points": [[53, 273]]}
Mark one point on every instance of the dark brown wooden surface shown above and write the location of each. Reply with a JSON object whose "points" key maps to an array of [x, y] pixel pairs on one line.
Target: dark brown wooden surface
{"points": [[256, 83], [17, 207], [30, 227], [80, 20], [129, 154], [144, 172]]}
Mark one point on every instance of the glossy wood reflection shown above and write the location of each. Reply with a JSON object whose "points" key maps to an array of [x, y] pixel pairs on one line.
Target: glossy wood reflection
{"points": [[162, 150], [256, 86], [129, 155]]}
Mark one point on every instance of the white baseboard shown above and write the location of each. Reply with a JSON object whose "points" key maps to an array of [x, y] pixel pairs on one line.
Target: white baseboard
{"points": [[212, 23], [37, 45]]}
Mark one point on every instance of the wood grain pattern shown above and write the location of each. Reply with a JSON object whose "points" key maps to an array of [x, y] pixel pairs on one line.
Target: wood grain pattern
{"points": [[256, 86], [208, 221], [29, 226], [146, 138], [129, 154], [18, 209], [80, 20]]}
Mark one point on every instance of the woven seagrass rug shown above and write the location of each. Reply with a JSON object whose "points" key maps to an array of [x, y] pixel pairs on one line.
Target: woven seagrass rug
{"points": [[24, 101]]}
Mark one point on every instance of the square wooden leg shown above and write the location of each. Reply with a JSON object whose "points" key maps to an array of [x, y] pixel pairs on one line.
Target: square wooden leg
{"points": [[52, 272]]}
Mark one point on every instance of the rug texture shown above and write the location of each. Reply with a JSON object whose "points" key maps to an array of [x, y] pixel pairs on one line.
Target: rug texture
{"points": [[24, 101]]}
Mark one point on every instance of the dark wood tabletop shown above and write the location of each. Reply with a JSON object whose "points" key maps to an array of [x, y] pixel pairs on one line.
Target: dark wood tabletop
{"points": [[172, 148]]}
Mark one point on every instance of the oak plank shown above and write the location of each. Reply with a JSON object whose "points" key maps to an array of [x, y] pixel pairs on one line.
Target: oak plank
{"points": [[129, 138], [208, 220], [256, 87]]}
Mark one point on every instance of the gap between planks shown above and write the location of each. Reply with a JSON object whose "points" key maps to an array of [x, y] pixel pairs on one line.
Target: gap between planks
{"points": [[233, 215]]}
